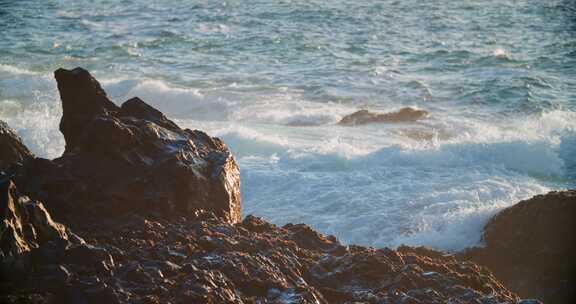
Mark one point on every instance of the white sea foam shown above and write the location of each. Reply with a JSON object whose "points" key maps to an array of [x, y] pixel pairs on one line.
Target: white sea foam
{"points": [[396, 196], [6, 68], [290, 109], [281, 107], [28, 102], [174, 101], [37, 124], [501, 53], [208, 28], [402, 192]]}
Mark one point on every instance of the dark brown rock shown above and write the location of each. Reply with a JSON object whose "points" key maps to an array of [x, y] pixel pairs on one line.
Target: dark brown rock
{"points": [[530, 247], [257, 262], [25, 223], [82, 100], [25, 227], [362, 117], [122, 159], [249, 262]]}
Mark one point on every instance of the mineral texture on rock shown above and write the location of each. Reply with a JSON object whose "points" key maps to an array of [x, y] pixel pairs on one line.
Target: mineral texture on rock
{"points": [[25, 223], [203, 259], [530, 247], [34, 249]]}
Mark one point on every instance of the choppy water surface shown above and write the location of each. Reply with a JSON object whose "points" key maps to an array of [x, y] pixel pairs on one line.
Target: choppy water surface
{"points": [[273, 77]]}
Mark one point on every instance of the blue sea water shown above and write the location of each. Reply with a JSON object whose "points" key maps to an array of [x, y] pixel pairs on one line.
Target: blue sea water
{"points": [[272, 79]]}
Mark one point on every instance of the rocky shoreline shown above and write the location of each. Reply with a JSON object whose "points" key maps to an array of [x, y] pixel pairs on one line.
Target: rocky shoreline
{"points": [[138, 210]]}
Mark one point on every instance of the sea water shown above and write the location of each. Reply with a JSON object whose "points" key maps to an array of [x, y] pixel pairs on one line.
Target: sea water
{"points": [[273, 78]]}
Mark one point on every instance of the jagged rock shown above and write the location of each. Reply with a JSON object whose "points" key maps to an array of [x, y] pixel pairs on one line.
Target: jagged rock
{"points": [[25, 226], [362, 117], [12, 150], [530, 247], [122, 159], [258, 262], [53, 276], [206, 259], [89, 256], [307, 238], [83, 99], [25, 223]]}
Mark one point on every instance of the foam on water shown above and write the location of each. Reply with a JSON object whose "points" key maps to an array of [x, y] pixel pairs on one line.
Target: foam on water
{"points": [[29, 104], [174, 101], [402, 192], [395, 196], [279, 106], [6, 68]]}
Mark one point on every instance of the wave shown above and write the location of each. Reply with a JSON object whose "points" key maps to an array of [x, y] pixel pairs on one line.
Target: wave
{"points": [[438, 195], [28, 103], [37, 125], [245, 142], [177, 102], [228, 103], [6, 68], [395, 196], [536, 158], [20, 83], [539, 146]]}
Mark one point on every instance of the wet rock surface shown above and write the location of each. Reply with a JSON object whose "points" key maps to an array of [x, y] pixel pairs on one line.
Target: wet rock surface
{"points": [[150, 214], [363, 117], [34, 249], [203, 259], [129, 158], [530, 247], [26, 224]]}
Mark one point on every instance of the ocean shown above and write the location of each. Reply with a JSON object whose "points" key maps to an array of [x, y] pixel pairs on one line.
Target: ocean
{"points": [[273, 78]]}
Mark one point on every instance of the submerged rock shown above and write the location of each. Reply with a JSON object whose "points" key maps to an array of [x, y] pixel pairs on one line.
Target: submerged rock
{"points": [[128, 158], [12, 150], [530, 247], [362, 117]]}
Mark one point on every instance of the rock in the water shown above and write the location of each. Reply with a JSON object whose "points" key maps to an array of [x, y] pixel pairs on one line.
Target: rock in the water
{"points": [[122, 159], [362, 117], [12, 150], [530, 247]]}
